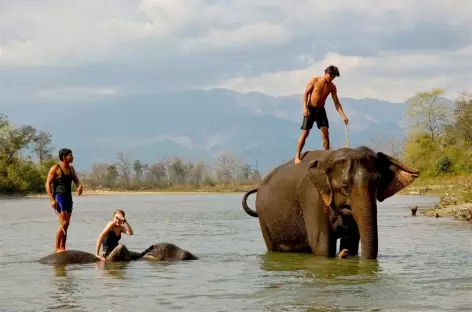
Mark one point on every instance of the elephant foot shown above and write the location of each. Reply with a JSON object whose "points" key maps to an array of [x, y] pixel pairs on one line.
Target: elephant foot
{"points": [[343, 254]]}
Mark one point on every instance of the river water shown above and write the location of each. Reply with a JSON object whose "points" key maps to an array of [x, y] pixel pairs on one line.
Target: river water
{"points": [[423, 265]]}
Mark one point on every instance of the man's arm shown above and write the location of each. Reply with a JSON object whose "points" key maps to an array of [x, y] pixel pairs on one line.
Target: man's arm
{"points": [[306, 94], [339, 108], [76, 181], [50, 178], [75, 178]]}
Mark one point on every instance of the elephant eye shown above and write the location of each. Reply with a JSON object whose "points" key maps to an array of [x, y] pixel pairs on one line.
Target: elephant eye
{"points": [[346, 190]]}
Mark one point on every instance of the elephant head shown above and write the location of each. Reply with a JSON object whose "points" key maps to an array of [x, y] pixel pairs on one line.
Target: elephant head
{"points": [[355, 179]]}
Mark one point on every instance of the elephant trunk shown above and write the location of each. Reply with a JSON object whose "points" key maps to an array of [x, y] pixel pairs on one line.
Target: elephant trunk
{"points": [[365, 215]]}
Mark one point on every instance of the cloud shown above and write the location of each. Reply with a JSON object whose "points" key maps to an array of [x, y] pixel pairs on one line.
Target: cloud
{"points": [[384, 49], [129, 143], [77, 94], [393, 77]]}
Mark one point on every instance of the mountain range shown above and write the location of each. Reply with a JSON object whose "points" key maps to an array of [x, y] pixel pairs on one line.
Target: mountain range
{"points": [[200, 124]]}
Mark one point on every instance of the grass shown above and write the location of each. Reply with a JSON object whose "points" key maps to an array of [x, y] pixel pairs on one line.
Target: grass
{"points": [[459, 185]]}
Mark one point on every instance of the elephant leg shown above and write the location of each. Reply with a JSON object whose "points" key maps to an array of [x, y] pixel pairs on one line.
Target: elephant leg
{"points": [[351, 243], [320, 236], [265, 234]]}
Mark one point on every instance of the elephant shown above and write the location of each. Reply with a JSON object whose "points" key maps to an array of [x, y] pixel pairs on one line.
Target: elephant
{"points": [[69, 257], [168, 252], [160, 252], [329, 195]]}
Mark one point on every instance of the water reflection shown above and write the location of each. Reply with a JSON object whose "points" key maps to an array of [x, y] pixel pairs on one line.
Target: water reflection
{"points": [[115, 269], [332, 270], [67, 289]]}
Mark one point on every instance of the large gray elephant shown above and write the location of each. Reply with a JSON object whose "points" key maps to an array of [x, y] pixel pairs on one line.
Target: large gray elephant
{"points": [[330, 195], [160, 252]]}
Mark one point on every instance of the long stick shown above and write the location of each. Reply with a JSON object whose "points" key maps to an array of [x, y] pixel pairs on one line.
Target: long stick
{"points": [[347, 137]]}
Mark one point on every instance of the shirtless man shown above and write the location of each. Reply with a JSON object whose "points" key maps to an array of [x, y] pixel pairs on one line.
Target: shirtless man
{"points": [[314, 99], [61, 177]]}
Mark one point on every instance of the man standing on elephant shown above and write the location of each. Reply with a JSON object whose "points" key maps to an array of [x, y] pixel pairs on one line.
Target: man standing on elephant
{"points": [[314, 99], [59, 189]]}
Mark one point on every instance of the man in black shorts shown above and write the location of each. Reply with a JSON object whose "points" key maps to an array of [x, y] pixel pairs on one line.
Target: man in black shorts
{"points": [[314, 99]]}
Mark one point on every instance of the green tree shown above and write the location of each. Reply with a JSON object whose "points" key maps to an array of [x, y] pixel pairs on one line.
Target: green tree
{"points": [[111, 176], [138, 168], [463, 117], [42, 146], [158, 173], [430, 112]]}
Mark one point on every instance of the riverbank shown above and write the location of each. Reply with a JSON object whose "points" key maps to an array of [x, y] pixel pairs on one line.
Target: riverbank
{"points": [[455, 194], [217, 189]]}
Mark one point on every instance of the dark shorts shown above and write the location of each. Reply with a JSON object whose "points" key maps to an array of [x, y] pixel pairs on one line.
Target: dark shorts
{"points": [[64, 203], [318, 115]]}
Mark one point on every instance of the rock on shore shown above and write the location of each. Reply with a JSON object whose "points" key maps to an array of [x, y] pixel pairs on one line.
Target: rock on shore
{"points": [[451, 206]]}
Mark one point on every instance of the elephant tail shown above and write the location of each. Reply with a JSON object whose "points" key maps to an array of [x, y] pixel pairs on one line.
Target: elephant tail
{"points": [[246, 208]]}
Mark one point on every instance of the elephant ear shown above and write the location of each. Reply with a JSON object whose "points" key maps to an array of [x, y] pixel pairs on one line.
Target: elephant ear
{"points": [[394, 176], [319, 178]]}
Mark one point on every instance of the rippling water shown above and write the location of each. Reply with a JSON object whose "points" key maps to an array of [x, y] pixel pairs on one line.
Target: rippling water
{"points": [[424, 263]]}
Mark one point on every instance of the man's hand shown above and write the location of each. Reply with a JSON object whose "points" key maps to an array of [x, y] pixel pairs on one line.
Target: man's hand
{"points": [[346, 120], [80, 189], [53, 204], [306, 112]]}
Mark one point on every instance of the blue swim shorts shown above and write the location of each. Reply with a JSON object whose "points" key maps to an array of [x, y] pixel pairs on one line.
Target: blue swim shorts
{"points": [[64, 203]]}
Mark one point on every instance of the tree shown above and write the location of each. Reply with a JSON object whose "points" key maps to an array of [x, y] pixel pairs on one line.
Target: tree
{"points": [[178, 171], [246, 171], [255, 174], [138, 168], [227, 167], [111, 176], [99, 174], [157, 173], [124, 167], [197, 173], [42, 146], [463, 117], [5, 128], [13, 140], [431, 113]]}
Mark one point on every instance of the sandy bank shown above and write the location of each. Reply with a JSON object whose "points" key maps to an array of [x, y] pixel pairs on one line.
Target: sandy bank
{"points": [[140, 193]]}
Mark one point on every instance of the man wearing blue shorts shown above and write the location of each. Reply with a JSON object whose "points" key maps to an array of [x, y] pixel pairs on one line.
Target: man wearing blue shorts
{"points": [[60, 194]]}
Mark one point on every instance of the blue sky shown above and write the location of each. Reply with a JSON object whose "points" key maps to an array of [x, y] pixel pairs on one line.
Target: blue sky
{"points": [[62, 50]]}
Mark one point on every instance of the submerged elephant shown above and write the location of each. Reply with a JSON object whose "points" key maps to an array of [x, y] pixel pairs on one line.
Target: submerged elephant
{"points": [[69, 257], [167, 252], [331, 194], [161, 252]]}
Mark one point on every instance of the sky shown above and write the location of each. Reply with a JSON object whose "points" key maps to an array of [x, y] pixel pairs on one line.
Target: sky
{"points": [[63, 50]]}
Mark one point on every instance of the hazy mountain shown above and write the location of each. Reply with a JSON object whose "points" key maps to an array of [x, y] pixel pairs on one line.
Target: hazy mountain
{"points": [[200, 124]]}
